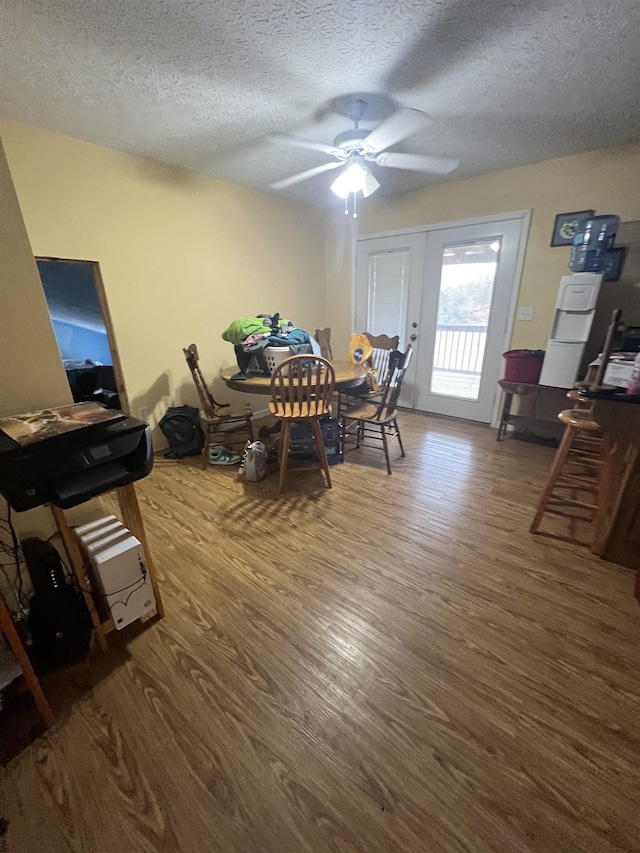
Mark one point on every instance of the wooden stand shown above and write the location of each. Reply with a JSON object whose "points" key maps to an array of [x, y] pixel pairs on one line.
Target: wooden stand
{"points": [[11, 635], [511, 390], [131, 519]]}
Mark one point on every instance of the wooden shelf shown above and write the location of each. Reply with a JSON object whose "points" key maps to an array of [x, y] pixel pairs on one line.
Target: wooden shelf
{"points": [[132, 520], [544, 428]]}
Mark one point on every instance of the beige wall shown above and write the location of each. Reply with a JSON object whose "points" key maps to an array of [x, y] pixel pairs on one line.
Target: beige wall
{"points": [[31, 374], [181, 254], [607, 181]]}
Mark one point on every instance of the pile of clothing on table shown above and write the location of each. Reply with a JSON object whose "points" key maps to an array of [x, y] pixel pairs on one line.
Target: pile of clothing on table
{"points": [[252, 335]]}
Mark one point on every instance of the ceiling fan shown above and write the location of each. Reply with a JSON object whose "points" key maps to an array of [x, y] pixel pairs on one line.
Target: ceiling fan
{"points": [[357, 149]]}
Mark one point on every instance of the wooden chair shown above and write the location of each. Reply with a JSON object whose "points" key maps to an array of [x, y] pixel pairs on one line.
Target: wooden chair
{"points": [[301, 389], [219, 418], [379, 420], [323, 338], [382, 346]]}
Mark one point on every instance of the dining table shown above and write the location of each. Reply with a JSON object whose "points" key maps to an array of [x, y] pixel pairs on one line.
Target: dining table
{"points": [[348, 375]]}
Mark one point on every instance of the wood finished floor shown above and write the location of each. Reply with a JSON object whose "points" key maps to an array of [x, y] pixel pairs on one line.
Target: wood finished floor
{"points": [[392, 665]]}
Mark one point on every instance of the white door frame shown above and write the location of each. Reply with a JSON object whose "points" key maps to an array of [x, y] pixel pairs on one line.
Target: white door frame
{"points": [[523, 215]]}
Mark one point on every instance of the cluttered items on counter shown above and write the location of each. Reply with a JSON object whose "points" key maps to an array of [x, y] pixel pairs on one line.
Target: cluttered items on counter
{"points": [[264, 341], [622, 361]]}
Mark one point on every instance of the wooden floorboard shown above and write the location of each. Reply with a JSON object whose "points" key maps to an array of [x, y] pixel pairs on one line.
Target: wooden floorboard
{"points": [[394, 664]]}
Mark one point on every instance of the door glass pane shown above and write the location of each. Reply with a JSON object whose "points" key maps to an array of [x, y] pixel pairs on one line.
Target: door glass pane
{"points": [[388, 292], [464, 303]]}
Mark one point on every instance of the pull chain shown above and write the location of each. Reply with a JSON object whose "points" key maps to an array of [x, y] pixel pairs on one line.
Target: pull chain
{"points": [[355, 206]]}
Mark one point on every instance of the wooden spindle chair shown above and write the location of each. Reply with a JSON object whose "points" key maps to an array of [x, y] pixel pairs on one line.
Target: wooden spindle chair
{"points": [[219, 418], [323, 339], [382, 346], [379, 420], [301, 389]]}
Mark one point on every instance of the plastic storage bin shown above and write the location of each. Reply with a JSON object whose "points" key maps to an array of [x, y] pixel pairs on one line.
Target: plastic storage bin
{"points": [[523, 365], [302, 445], [591, 244]]}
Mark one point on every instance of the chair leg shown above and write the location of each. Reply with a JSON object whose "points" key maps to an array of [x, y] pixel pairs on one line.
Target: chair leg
{"points": [[606, 487], [284, 451], [250, 428], [397, 429], [556, 468], [207, 447], [385, 445], [322, 454]]}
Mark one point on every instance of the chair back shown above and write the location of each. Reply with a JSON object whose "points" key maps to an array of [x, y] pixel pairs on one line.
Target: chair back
{"points": [[323, 338], [302, 386], [209, 405], [392, 385], [382, 346]]}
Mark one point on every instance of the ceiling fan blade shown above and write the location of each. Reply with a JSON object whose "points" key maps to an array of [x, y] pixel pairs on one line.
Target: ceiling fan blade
{"points": [[401, 124], [303, 176], [417, 162], [309, 144]]}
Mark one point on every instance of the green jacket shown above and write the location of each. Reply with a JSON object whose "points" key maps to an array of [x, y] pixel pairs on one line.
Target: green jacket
{"points": [[242, 328]]}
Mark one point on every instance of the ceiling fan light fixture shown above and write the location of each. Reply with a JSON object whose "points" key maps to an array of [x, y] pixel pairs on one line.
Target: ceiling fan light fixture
{"points": [[369, 185], [355, 178]]}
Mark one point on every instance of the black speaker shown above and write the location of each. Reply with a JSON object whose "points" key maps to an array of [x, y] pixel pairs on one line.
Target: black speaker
{"points": [[58, 621]]}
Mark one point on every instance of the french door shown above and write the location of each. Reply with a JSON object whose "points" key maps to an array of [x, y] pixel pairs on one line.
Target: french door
{"points": [[389, 276], [448, 291]]}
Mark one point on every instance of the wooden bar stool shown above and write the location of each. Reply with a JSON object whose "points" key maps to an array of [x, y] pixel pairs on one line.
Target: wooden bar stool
{"points": [[576, 468]]}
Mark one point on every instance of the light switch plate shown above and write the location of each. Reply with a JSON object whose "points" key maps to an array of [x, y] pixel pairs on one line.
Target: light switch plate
{"points": [[525, 313]]}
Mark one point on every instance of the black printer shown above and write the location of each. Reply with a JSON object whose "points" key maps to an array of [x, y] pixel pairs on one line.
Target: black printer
{"points": [[69, 454]]}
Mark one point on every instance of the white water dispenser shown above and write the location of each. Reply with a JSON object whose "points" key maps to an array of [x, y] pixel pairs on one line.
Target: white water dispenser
{"points": [[572, 319]]}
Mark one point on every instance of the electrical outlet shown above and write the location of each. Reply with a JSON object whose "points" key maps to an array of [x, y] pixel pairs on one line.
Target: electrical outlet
{"points": [[143, 414], [525, 313]]}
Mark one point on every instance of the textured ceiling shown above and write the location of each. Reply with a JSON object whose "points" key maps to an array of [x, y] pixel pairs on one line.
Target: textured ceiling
{"points": [[200, 82]]}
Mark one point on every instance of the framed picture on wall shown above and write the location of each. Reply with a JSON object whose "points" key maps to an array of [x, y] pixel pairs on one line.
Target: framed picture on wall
{"points": [[566, 226]]}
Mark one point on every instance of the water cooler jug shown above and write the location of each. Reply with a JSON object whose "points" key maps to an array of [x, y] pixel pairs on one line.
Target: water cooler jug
{"points": [[592, 242]]}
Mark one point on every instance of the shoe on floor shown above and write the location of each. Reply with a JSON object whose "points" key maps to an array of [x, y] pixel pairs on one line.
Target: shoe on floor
{"points": [[222, 456]]}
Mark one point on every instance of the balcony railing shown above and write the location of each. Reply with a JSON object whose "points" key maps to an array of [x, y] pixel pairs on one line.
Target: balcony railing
{"points": [[460, 349]]}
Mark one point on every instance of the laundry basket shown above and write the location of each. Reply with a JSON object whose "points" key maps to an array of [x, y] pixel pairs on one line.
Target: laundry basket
{"points": [[275, 356]]}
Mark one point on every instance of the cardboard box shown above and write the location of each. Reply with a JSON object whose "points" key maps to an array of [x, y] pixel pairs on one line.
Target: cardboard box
{"points": [[618, 373]]}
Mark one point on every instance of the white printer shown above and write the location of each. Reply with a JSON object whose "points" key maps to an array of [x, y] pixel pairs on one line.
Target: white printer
{"points": [[119, 569]]}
